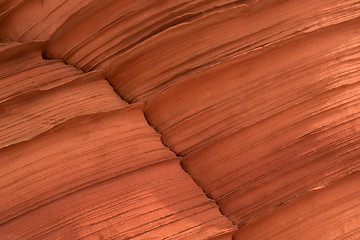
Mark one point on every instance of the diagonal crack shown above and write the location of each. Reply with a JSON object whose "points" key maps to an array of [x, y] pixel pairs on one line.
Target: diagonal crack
{"points": [[44, 57]]}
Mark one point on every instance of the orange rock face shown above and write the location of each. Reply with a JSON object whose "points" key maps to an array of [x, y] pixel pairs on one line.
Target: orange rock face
{"points": [[174, 119], [151, 203], [329, 213]]}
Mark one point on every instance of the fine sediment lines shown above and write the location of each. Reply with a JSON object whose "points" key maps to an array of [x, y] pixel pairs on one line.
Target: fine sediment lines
{"points": [[28, 20], [258, 99], [330, 213], [238, 93], [157, 202], [180, 51], [147, 64], [32, 113], [80, 152], [23, 69]]}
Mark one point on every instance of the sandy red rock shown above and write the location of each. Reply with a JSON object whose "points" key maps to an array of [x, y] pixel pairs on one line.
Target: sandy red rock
{"points": [[154, 202], [179, 119]]}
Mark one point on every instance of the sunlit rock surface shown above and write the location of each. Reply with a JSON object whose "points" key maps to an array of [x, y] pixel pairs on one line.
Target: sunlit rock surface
{"points": [[178, 119]]}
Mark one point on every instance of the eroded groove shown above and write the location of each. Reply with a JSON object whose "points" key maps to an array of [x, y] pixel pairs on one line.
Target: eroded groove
{"points": [[103, 167], [261, 109], [178, 155]]}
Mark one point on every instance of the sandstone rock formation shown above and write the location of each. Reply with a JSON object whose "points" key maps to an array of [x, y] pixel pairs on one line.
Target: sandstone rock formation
{"points": [[179, 119]]}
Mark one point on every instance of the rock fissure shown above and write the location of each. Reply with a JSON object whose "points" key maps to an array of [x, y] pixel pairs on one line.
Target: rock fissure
{"points": [[179, 119], [233, 223]]}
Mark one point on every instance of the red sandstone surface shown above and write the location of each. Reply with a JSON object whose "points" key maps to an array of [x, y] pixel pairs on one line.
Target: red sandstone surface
{"points": [[179, 119]]}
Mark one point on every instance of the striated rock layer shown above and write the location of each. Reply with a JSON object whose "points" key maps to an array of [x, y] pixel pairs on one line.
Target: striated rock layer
{"points": [[80, 152], [179, 119], [243, 91], [330, 213], [156, 202], [23, 69]]}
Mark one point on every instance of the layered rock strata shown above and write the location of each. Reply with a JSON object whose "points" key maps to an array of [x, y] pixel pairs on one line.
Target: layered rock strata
{"points": [[179, 119]]}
